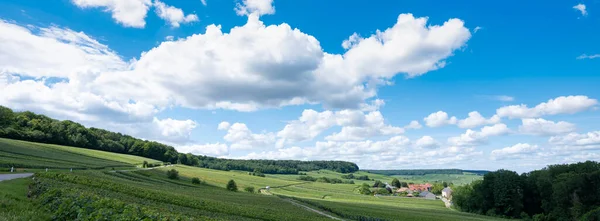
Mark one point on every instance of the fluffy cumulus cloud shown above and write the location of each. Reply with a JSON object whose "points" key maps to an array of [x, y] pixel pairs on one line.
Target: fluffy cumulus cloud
{"points": [[242, 138], [472, 138], [366, 126], [544, 127], [212, 149], [394, 152], [439, 119], [475, 120], [282, 66], [426, 142], [174, 16], [259, 7], [559, 105], [517, 151], [577, 141], [355, 125], [413, 125], [129, 13], [581, 8], [174, 128]]}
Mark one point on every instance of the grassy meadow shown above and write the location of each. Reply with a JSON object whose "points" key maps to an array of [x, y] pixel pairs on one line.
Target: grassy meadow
{"points": [[97, 193], [24, 154]]}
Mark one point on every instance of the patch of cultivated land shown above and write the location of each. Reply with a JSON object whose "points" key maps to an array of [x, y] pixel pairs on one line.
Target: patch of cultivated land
{"points": [[149, 194], [37, 155]]}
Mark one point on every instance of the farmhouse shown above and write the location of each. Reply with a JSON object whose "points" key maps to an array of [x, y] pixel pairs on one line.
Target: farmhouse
{"points": [[427, 195], [420, 187], [447, 193]]}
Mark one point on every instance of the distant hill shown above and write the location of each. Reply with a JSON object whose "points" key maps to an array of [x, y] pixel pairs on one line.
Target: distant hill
{"points": [[416, 172], [29, 126]]}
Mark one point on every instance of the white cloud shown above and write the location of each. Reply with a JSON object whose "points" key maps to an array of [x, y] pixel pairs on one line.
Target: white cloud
{"points": [[518, 151], [581, 8], [413, 125], [426, 142], [504, 98], [585, 56], [25, 53], [356, 125], [203, 2], [475, 120], [242, 138], [472, 138], [439, 119], [544, 127], [559, 105], [282, 67], [169, 38], [386, 53], [371, 125], [211, 149], [129, 13], [260, 7], [224, 125], [390, 153], [173, 15], [476, 29], [576, 139], [175, 128]]}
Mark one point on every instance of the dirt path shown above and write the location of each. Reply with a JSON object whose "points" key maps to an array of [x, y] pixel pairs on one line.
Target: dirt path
{"points": [[14, 176], [150, 168], [312, 210]]}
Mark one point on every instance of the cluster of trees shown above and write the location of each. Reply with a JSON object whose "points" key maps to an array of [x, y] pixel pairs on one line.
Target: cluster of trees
{"points": [[424, 172], [324, 180], [39, 128], [557, 192], [256, 172], [352, 176], [396, 183]]}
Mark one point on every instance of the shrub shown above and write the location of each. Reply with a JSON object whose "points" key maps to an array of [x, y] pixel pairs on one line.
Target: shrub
{"points": [[231, 186], [323, 180], [364, 189], [335, 180], [307, 178], [196, 180], [249, 189], [145, 164], [173, 174]]}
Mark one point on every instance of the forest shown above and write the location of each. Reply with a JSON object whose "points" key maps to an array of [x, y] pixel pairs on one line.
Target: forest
{"points": [[423, 172], [556, 192], [29, 126]]}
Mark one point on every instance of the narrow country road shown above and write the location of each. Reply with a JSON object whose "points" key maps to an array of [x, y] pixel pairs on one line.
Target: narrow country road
{"points": [[311, 209], [11, 176]]}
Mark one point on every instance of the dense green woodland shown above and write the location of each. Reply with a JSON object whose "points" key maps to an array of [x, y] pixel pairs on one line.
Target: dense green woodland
{"points": [[424, 172], [557, 192], [39, 128]]}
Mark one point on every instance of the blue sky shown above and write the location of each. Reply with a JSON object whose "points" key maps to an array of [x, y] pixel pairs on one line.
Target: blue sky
{"points": [[318, 80]]}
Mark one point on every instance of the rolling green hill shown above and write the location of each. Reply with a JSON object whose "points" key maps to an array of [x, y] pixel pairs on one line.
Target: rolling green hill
{"points": [[15, 153], [149, 194]]}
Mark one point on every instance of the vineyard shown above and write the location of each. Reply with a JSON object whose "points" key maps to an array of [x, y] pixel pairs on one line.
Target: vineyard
{"points": [[14, 153], [95, 191]]}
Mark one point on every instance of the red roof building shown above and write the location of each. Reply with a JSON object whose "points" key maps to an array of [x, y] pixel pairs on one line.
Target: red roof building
{"points": [[420, 187]]}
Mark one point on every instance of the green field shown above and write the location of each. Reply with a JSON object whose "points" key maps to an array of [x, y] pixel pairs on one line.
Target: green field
{"points": [[23, 154], [96, 193]]}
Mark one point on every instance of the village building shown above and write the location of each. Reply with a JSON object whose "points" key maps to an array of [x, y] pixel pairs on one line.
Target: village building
{"points": [[427, 195], [447, 193], [420, 187]]}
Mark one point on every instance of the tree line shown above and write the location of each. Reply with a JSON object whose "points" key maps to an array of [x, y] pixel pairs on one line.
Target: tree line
{"points": [[29, 126], [416, 172], [557, 192]]}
